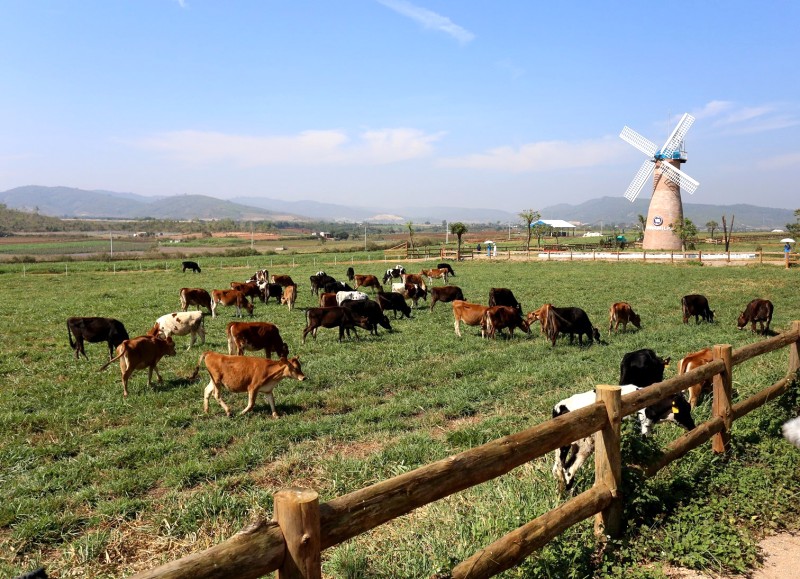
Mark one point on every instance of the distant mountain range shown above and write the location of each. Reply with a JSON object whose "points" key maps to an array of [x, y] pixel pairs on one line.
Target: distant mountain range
{"points": [[606, 211]]}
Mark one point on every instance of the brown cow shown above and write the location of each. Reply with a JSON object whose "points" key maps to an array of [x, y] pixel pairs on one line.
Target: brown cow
{"points": [[289, 296], [255, 336], [622, 313], [249, 288], [195, 297], [691, 362], [282, 280], [334, 317], [230, 298], [758, 310], [446, 294], [500, 317], [327, 300], [438, 273], [367, 281], [469, 313], [696, 305], [243, 374], [541, 315], [140, 353]]}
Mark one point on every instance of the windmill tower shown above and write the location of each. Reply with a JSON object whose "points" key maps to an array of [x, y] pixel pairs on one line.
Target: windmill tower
{"points": [[666, 208]]}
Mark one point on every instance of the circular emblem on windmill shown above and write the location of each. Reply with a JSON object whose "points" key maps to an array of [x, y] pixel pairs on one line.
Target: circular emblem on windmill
{"points": [[657, 221]]}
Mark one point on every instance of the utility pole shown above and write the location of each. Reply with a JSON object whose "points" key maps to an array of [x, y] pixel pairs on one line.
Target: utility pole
{"points": [[111, 238], [365, 237], [446, 233]]}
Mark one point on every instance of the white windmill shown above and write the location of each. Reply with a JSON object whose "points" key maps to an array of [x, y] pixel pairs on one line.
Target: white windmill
{"points": [[666, 208]]}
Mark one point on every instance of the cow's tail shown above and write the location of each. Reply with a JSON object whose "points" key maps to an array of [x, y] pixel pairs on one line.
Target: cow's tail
{"points": [[69, 335], [193, 377], [123, 349]]}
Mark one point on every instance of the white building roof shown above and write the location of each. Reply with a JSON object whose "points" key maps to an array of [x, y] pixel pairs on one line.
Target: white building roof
{"points": [[557, 223]]}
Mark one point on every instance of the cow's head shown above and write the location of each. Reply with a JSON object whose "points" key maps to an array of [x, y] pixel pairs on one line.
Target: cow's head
{"points": [[248, 305], [156, 330], [292, 368], [384, 322], [636, 320], [741, 322]]}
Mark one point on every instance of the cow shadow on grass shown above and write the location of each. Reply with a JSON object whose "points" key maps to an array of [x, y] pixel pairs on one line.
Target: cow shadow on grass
{"points": [[173, 384]]}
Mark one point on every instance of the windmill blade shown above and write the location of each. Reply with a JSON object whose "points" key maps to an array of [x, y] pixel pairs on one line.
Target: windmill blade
{"points": [[639, 180], [678, 134], [644, 145], [678, 177]]}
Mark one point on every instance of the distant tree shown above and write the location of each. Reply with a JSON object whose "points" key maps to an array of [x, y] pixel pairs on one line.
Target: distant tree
{"points": [[410, 227], [529, 216], [726, 233], [642, 224], [794, 228], [540, 230], [686, 231], [712, 226], [458, 229]]}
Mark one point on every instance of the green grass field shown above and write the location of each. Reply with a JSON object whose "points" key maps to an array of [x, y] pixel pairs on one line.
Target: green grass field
{"points": [[98, 486]]}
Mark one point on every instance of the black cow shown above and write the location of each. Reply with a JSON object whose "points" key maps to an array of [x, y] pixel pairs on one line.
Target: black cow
{"points": [[370, 310], [500, 296], [696, 305], [393, 301], [95, 330], [272, 290], [758, 310], [351, 274], [333, 317], [448, 267], [446, 293], [642, 368], [570, 321], [319, 281], [337, 286], [190, 265]]}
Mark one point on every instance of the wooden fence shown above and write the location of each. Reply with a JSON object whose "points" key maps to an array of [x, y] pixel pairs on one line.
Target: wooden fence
{"points": [[292, 543]]}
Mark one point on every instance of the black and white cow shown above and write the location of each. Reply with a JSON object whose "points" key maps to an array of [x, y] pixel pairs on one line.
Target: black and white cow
{"points": [[393, 272]]}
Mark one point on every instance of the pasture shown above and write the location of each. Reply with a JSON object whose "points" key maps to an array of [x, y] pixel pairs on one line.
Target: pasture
{"points": [[98, 486]]}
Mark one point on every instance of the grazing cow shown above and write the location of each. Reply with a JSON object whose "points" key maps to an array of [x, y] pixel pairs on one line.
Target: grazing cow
{"points": [[758, 310], [249, 288], [570, 321], [367, 281], [445, 265], [541, 315], [411, 291], [282, 280], [497, 318], [568, 459], [696, 305], [319, 281], [95, 330], [272, 290], [140, 353], [190, 265], [351, 274], [470, 314], [394, 272], [370, 310], [260, 277], [415, 279], [393, 301], [691, 362], [289, 296], [354, 295], [243, 374], [500, 296], [195, 297], [255, 336], [327, 300], [642, 368], [335, 317], [337, 286], [230, 298], [446, 294], [435, 273], [622, 313], [182, 324]]}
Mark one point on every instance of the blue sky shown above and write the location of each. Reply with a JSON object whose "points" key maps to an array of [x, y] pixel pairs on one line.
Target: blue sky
{"points": [[512, 105]]}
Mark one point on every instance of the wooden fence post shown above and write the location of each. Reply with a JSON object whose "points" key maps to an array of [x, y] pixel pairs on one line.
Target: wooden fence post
{"points": [[608, 462], [794, 350], [297, 515], [721, 406]]}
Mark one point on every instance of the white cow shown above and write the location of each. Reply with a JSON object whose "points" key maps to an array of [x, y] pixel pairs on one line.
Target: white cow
{"points": [[342, 296], [181, 324], [399, 287]]}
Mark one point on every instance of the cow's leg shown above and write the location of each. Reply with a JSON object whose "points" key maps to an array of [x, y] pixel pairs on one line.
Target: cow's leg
{"points": [[155, 369], [458, 328], [214, 308], [191, 340], [213, 389], [202, 331], [80, 349], [585, 448]]}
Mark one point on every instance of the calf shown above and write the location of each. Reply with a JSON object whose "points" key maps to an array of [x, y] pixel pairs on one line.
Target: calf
{"points": [[289, 296], [758, 310], [642, 368], [470, 314], [438, 273], [446, 294], [195, 297], [393, 301], [95, 330], [497, 318], [622, 313], [500, 296], [696, 305], [447, 266], [255, 336], [570, 321], [367, 281], [568, 459], [182, 324], [243, 374], [334, 317], [691, 362], [249, 288], [190, 265], [370, 310], [282, 280], [351, 274], [230, 298], [354, 295], [140, 353], [541, 315], [319, 281]]}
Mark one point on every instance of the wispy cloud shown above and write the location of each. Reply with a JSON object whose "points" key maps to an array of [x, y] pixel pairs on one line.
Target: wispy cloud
{"points": [[429, 19], [309, 148], [730, 118], [182, 3], [541, 156], [785, 161]]}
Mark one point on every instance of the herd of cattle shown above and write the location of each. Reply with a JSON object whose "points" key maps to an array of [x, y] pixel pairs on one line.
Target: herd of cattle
{"points": [[344, 307]]}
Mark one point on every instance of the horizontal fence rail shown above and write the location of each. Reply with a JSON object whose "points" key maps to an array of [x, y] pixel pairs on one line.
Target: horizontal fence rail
{"points": [[263, 546]]}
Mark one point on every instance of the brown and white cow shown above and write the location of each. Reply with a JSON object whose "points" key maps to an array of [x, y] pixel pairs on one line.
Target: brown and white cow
{"points": [[446, 294], [243, 374], [255, 336], [289, 296], [182, 324], [140, 353], [367, 281], [622, 313], [95, 330], [415, 279], [282, 280], [469, 313], [230, 298], [437, 273], [195, 297], [759, 310], [691, 362], [249, 288], [498, 318]]}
